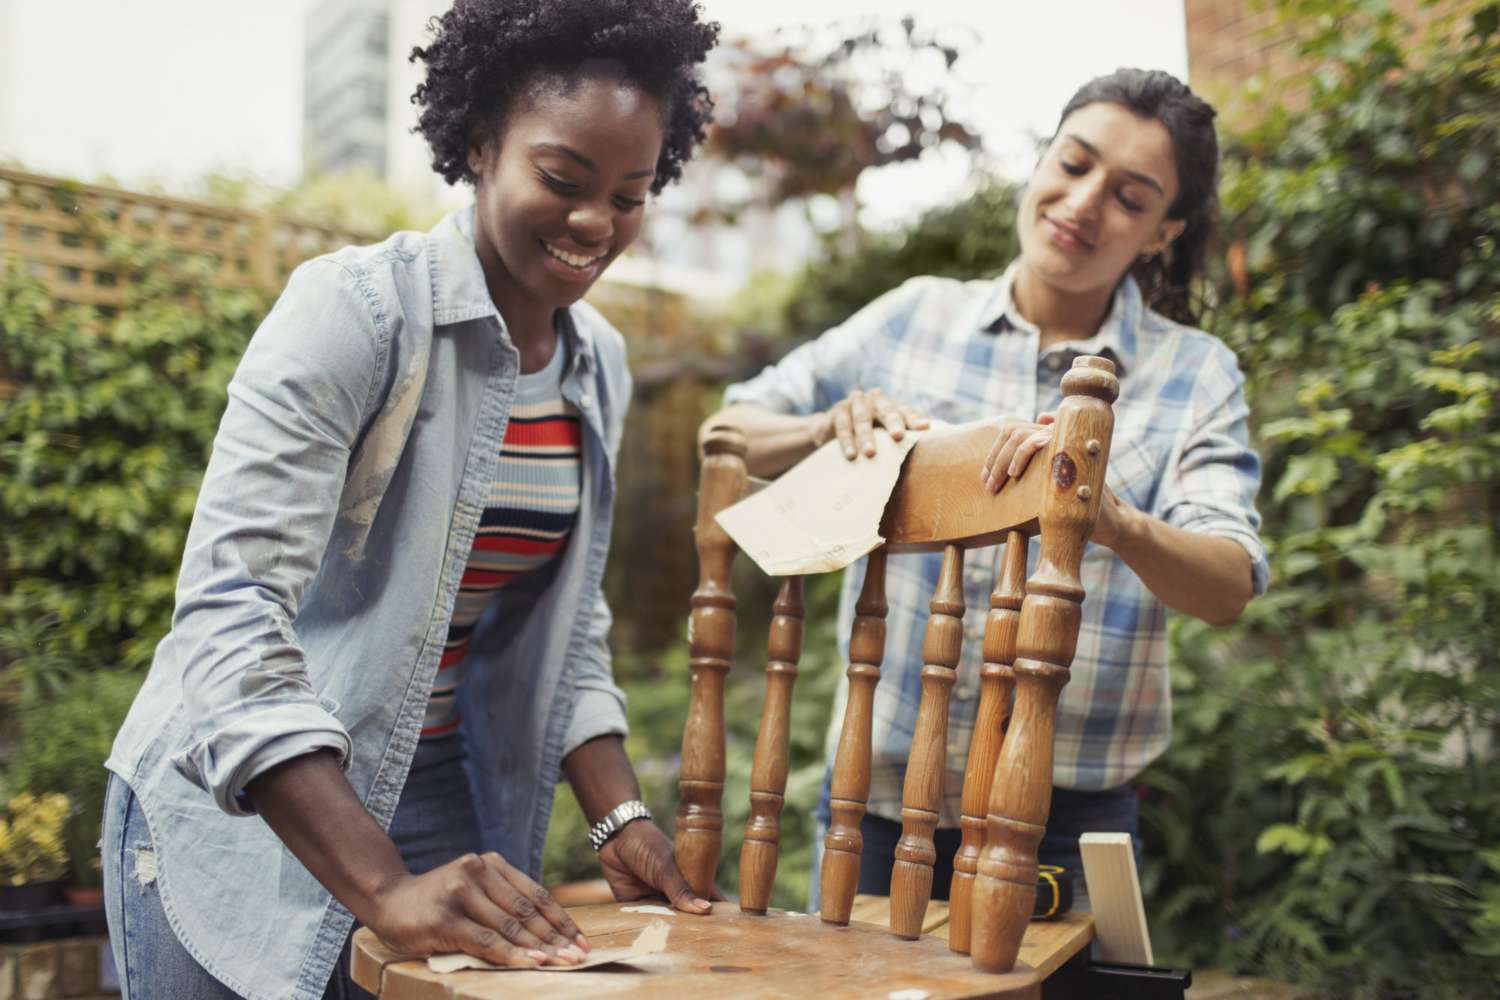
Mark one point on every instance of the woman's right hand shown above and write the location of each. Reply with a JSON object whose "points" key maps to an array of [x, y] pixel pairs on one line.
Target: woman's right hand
{"points": [[479, 904], [854, 418]]}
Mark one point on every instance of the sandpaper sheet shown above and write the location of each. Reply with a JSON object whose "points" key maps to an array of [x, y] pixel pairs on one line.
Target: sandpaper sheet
{"points": [[651, 940], [823, 513]]}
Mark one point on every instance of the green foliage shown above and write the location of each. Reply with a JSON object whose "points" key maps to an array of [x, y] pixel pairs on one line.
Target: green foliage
{"points": [[974, 238], [1329, 807], [63, 746], [102, 449]]}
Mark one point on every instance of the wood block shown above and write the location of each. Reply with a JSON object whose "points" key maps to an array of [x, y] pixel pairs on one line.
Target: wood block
{"points": [[1115, 895]]}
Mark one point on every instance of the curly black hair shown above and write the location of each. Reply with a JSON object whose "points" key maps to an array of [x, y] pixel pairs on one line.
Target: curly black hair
{"points": [[487, 55]]}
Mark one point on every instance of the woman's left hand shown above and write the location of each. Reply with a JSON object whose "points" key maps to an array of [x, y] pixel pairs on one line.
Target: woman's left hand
{"points": [[1014, 447], [638, 862]]}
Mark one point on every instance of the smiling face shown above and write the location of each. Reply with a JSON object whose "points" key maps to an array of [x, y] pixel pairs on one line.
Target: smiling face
{"points": [[1098, 200], [560, 194]]}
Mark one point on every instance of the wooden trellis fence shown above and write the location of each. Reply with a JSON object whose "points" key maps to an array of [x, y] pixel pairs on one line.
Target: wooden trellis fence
{"points": [[43, 222], [51, 225]]}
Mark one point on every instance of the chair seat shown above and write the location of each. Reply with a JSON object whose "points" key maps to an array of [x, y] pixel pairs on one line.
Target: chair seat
{"points": [[781, 954]]}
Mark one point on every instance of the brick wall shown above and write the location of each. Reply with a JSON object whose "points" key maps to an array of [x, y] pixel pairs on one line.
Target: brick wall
{"points": [[1232, 41], [53, 970]]}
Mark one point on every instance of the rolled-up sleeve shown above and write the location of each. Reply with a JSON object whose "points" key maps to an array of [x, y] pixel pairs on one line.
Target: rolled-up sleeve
{"points": [[263, 518], [1212, 485], [821, 372], [598, 703]]}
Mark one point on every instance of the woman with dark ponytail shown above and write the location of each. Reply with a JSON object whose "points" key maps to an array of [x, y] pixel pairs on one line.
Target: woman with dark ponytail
{"points": [[1114, 226]]}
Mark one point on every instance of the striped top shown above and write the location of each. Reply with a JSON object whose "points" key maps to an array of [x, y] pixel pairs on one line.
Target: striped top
{"points": [[530, 510]]}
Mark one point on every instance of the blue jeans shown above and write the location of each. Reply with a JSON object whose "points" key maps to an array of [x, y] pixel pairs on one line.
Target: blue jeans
{"points": [[434, 823], [1073, 814]]}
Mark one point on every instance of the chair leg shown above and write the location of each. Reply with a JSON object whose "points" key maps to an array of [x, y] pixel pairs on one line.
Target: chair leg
{"points": [[758, 854], [711, 625], [922, 795], [1021, 796], [996, 686], [851, 764]]}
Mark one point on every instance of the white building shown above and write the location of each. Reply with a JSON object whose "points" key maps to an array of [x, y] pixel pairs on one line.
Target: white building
{"points": [[357, 113]]}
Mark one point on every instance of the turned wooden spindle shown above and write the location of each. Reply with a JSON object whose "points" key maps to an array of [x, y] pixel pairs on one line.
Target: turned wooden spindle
{"points": [[1021, 796], [700, 823], [996, 684], [851, 764], [922, 794], [768, 771]]}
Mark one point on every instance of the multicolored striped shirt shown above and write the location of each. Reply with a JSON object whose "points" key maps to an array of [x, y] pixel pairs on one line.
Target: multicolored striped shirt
{"points": [[528, 515], [959, 351]]}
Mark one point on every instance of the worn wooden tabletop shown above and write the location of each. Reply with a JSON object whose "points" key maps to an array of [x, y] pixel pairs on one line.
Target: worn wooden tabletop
{"points": [[781, 954]]}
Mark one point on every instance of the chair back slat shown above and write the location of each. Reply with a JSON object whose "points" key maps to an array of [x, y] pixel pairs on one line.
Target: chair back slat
{"points": [[711, 627], [996, 686], [772, 745], [939, 500], [926, 770], [1021, 796], [850, 788]]}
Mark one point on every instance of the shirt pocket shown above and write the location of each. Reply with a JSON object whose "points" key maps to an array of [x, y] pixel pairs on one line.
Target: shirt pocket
{"points": [[1133, 473]]}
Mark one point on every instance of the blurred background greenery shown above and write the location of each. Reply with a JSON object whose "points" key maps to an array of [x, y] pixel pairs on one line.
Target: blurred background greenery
{"points": [[1330, 809]]}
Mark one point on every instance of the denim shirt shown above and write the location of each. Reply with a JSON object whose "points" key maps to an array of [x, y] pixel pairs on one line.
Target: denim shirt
{"points": [[335, 518]]}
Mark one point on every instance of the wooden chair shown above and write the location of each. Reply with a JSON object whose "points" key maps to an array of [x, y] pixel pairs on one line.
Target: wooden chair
{"points": [[1030, 634]]}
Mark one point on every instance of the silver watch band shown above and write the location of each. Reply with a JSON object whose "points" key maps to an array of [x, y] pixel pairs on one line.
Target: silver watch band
{"points": [[615, 820]]}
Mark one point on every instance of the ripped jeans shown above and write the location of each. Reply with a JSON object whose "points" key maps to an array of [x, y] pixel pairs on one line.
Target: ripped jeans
{"points": [[434, 823]]}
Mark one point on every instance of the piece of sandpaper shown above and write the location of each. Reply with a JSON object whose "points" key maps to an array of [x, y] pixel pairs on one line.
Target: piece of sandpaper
{"points": [[823, 513], [651, 940]]}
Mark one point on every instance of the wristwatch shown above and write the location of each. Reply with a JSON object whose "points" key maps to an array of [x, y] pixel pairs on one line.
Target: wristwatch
{"points": [[615, 821]]}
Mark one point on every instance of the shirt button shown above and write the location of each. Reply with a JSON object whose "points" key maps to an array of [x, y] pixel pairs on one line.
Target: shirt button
{"points": [[585, 400], [1054, 362]]}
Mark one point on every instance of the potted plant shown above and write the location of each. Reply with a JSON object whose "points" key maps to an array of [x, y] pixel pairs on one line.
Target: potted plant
{"points": [[64, 741], [33, 852]]}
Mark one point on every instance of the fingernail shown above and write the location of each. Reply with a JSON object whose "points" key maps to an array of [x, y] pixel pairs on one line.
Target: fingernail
{"points": [[573, 953], [540, 956], [848, 452], [583, 942], [703, 904], [1012, 470]]}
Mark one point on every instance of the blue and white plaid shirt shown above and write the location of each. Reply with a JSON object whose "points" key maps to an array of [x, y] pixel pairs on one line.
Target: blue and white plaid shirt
{"points": [[960, 351]]}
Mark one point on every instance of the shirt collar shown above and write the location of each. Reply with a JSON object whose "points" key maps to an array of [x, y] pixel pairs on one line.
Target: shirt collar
{"points": [[459, 291], [1115, 338]]}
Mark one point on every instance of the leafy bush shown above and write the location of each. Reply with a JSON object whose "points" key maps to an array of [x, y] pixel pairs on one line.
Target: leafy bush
{"points": [[973, 238], [1329, 807], [103, 446], [63, 745]]}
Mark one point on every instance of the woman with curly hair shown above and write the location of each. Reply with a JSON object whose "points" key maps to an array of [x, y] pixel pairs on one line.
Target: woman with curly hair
{"points": [[389, 639]]}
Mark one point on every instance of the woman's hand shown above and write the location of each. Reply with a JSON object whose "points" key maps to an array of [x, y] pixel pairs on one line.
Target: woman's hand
{"points": [[479, 904], [1017, 443], [638, 862], [854, 418]]}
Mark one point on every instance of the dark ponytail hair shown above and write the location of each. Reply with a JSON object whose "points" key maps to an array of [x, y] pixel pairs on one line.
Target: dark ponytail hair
{"points": [[1166, 278]]}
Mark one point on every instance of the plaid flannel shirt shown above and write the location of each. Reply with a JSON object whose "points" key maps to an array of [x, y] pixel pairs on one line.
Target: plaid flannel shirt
{"points": [[959, 351]]}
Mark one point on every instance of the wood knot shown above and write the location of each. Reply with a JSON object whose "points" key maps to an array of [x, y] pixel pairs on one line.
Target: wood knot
{"points": [[1064, 470]]}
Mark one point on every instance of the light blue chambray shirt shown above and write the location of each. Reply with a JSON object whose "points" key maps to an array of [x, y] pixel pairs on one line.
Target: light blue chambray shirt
{"points": [[337, 512], [960, 351]]}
